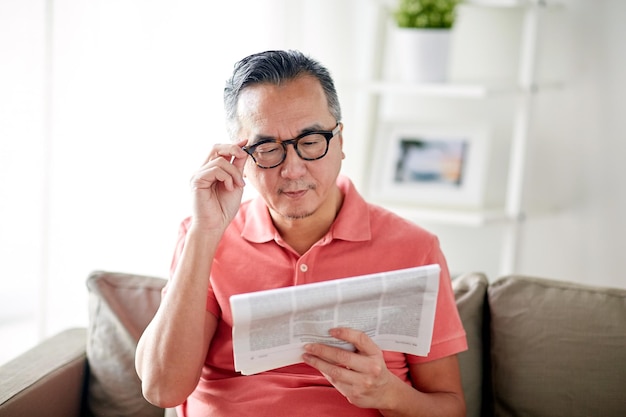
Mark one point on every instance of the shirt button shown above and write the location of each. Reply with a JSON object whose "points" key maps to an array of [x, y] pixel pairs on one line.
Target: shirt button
{"points": [[304, 267]]}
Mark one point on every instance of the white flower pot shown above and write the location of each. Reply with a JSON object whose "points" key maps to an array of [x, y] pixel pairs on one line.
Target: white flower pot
{"points": [[422, 54]]}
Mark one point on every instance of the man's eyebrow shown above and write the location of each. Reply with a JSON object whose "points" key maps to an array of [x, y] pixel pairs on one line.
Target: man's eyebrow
{"points": [[261, 138], [313, 128]]}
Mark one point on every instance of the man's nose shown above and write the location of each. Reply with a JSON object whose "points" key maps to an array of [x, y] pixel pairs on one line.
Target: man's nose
{"points": [[293, 166]]}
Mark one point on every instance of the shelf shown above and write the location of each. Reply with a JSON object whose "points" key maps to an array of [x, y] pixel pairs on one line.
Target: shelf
{"points": [[455, 90], [380, 92], [514, 3], [458, 217]]}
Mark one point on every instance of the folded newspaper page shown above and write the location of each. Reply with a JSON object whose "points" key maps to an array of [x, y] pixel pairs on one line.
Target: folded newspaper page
{"points": [[395, 308]]}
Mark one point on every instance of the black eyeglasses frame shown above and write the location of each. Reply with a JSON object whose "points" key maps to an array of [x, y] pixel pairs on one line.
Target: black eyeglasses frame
{"points": [[328, 135]]}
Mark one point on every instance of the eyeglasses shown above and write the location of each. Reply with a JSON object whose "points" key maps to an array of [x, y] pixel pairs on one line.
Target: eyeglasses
{"points": [[270, 153]]}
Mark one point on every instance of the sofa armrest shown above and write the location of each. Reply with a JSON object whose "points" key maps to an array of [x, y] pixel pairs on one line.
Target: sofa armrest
{"points": [[47, 380]]}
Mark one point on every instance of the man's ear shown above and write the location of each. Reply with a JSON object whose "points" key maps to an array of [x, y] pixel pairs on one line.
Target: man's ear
{"points": [[343, 154]]}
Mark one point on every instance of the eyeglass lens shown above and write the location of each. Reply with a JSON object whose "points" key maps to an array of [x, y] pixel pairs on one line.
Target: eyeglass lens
{"points": [[309, 147]]}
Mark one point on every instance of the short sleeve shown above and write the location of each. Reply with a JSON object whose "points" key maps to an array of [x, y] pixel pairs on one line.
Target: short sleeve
{"points": [[449, 336]]}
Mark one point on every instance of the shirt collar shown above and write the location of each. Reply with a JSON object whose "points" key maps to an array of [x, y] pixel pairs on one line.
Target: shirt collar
{"points": [[352, 222]]}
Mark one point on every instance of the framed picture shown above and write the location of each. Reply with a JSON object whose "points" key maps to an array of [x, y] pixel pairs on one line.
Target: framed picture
{"points": [[435, 166]]}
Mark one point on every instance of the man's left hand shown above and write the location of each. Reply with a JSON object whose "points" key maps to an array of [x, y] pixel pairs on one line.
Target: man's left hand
{"points": [[361, 376]]}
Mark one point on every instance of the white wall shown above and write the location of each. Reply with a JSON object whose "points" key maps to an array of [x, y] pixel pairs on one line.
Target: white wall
{"points": [[22, 164], [136, 107], [603, 61], [98, 179], [583, 167]]}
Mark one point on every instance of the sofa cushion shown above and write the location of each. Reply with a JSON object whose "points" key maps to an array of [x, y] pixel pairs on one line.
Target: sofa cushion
{"points": [[120, 308], [47, 380], [557, 348], [470, 291]]}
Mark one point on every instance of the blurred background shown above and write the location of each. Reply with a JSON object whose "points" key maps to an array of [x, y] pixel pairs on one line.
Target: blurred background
{"points": [[107, 108]]}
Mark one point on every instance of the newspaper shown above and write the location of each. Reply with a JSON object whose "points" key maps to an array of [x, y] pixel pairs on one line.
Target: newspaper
{"points": [[395, 308]]}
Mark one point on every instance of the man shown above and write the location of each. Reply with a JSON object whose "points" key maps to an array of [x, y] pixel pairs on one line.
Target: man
{"points": [[308, 224]]}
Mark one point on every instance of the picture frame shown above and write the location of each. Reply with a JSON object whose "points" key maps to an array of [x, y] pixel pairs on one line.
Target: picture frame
{"points": [[431, 166]]}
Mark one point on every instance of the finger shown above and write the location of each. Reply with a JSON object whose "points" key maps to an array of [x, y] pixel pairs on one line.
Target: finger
{"points": [[360, 361], [361, 341], [229, 152], [218, 171], [210, 177], [333, 372], [236, 157], [227, 158], [337, 356], [240, 162]]}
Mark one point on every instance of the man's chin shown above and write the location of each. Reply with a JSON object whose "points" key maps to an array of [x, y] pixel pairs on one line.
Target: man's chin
{"points": [[293, 213], [296, 215]]}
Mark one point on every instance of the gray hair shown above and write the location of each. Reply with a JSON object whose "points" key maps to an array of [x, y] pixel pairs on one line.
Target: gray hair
{"points": [[275, 67]]}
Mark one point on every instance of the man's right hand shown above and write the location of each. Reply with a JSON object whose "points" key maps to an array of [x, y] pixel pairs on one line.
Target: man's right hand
{"points": [[217, 187]]}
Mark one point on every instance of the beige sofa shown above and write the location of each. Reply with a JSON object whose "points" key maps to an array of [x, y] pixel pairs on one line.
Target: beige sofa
{"points": [[537, 348]]}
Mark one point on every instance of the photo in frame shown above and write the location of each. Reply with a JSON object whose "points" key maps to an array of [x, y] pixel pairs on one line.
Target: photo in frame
{"points": [[431, 166]]}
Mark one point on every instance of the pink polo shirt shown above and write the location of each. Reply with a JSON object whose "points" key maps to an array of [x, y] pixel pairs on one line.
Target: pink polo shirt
{"points": [[252, 256]]}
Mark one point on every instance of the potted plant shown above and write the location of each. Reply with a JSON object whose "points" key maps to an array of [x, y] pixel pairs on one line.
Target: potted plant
{"points": [[422, 38]]}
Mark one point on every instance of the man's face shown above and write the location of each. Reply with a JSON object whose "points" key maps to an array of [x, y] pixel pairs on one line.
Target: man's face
{"points": [[296, 189]]}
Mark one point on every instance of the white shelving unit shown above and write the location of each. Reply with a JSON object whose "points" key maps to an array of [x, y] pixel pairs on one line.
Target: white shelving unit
{"points": [[511, 214]]}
